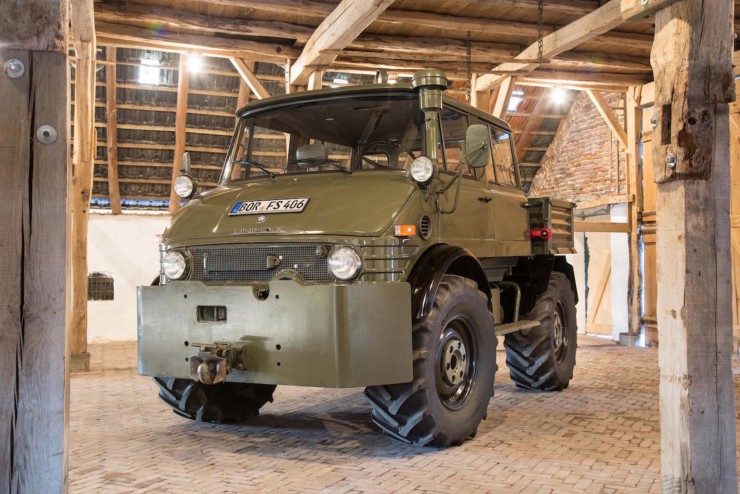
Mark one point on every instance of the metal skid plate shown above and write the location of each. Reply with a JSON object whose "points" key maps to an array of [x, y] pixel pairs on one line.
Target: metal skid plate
{"points": [[312, 335]]}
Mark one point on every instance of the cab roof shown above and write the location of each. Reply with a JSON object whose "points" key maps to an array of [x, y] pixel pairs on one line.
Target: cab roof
{"points": [[365, 89]]}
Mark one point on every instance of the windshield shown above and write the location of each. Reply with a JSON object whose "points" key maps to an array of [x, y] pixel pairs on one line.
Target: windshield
{"points": [[329, 134]]}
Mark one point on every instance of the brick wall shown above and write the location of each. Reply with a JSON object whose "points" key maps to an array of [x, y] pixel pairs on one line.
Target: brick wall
{"points": [[584, 162]]}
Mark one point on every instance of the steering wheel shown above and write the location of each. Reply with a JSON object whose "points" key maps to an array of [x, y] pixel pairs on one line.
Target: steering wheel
{"points": [[397, 144]]}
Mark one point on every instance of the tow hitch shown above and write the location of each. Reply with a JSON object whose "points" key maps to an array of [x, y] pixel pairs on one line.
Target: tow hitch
{"points": [[213, 361]]}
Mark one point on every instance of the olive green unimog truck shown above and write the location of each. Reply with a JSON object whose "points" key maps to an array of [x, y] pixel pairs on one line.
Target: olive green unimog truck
{"points": [[372, 236]]}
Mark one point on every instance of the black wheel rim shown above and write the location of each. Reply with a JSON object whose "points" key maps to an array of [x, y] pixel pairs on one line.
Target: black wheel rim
{"points": [[457, 358], [560, 332]]}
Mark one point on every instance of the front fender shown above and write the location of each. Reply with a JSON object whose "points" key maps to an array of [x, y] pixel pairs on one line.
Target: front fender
{"points": [[436, 262]]}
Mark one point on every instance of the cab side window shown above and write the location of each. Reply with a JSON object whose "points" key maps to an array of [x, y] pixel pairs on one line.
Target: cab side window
{"points": [[503, 158], [451, 150]]}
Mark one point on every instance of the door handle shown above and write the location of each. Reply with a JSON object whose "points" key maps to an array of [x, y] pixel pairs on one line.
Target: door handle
{"points": [[484, 199]]}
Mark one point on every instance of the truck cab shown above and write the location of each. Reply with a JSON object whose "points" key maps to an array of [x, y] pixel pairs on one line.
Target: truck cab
{"points": [[372, 236]]}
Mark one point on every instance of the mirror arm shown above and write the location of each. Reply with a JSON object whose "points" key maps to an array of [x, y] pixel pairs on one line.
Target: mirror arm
{"points": [[457, 178]]}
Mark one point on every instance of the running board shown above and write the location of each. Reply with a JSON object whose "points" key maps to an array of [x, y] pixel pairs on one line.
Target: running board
{"points": [[513, 327]]}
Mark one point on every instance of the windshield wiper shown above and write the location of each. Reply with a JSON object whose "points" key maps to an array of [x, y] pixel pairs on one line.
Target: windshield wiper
{"points": [[321, 162], [258, 166]]}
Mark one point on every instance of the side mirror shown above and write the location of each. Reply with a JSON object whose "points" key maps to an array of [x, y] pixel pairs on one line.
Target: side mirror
{"points": [[185, 163], [476, 146]]}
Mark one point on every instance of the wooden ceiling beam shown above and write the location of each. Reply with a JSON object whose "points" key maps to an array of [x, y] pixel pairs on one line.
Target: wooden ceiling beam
{"points": [[250, 78], [600, 21], [314, 8], [117, 34], [608, 115], [123, 13], [341, 27]]}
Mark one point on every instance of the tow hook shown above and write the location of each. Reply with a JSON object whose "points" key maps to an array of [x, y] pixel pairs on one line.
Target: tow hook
{"points": [[214, 360]]}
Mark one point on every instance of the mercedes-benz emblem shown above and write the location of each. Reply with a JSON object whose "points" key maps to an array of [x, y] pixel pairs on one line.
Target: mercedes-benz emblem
{"points": [[261, 218]]}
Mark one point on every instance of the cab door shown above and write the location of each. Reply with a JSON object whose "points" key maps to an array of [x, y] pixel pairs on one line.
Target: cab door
{"points": [[509, 217], [470, 225]]}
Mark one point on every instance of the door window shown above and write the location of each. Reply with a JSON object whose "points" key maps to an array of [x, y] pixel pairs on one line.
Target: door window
{"points": [[503, 158]]}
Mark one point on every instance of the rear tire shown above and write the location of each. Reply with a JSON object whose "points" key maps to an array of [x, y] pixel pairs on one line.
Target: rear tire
{"points": [[543, 358], [225, 402], [454, 365]]}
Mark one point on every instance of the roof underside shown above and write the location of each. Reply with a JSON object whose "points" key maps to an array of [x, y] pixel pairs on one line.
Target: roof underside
{"points": [[464, 38]]}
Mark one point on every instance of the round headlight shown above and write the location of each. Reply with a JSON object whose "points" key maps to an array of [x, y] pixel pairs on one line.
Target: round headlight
{"points": [[422, 169], [174, 265], [344, 263], [184, 186]]}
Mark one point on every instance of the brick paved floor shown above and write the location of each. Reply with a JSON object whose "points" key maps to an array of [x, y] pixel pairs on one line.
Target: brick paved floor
{"points": [[600, 435]]}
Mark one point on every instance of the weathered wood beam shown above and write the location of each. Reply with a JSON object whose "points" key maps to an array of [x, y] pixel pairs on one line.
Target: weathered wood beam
{"points": [[413, 47], [112, 130], [119, 34], [608, 115], [342, 26], [600, 21], [250, 78], [322, 9], [124, 13], [34, 248], [83, 36], [601, 226], [181, 119], [633, 121], [314, 81], [503, 97], [692, 61]]}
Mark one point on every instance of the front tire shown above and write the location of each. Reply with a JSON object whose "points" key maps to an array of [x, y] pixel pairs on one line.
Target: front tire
{"points": [[454, 365], [543, 358], [225, 402]]}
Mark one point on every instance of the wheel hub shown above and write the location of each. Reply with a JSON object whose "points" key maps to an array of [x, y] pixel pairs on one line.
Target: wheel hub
{"points": [[560, 335], [454, 362]]}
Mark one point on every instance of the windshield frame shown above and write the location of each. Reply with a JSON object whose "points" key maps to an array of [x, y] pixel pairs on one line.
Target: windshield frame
{"points": [[281, 103]]}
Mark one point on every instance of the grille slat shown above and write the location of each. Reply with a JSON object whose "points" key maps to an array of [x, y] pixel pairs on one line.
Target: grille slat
{"points": [[250, 263]]}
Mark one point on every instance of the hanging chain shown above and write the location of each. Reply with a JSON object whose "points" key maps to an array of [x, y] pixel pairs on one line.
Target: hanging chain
{"points": [[469, 60], [540, 26]]}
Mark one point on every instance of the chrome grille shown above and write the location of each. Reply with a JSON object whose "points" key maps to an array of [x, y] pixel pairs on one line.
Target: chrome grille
{"points": [[250, 262]]}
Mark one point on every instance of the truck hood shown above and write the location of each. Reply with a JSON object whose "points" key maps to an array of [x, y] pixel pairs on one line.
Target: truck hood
{"points": [[364, 203]]}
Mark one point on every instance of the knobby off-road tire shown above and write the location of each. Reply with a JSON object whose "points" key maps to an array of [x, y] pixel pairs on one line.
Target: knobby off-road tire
{"points": [[225, 402], [543, 358], [454, 365]]}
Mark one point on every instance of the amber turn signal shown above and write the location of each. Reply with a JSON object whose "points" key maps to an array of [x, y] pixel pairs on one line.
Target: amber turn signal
{"points": [[405, 230]]}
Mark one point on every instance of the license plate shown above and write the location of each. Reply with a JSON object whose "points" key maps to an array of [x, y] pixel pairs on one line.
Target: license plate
{"points": [[269, 206]]}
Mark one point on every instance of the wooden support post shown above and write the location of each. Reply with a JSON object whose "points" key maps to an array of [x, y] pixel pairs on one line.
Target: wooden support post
{"points": [[503, 97], [181, 118], [114, 193], [692, 63], [314, 80], [83, 165], [34, 248], [633, 119]]}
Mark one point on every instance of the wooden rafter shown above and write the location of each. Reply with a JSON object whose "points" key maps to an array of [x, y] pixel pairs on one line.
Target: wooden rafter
{"points": [[343, 25], [608, 115], [183, 84], [603, 19], [112, 130], [245, 70], [520, 140]]}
